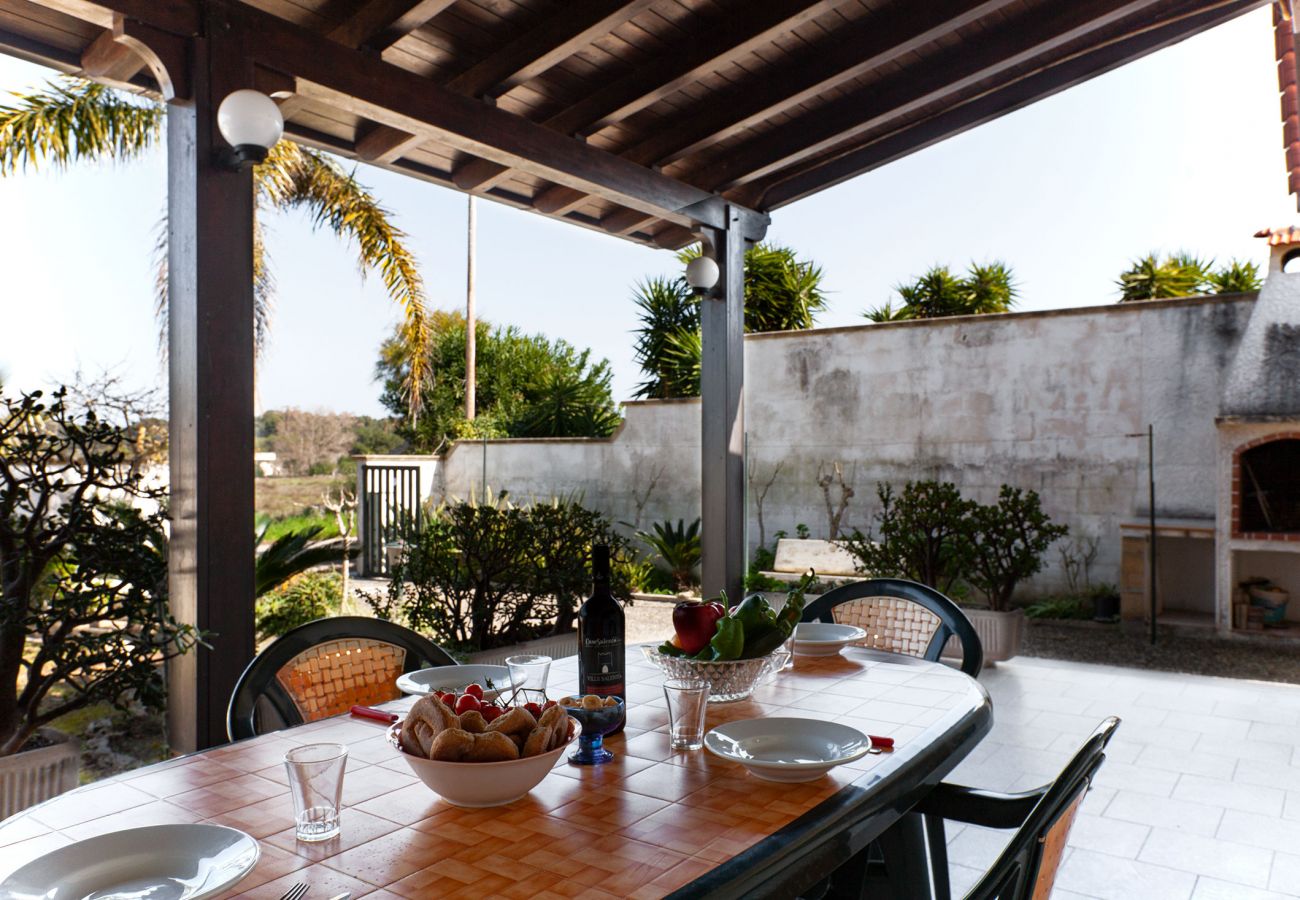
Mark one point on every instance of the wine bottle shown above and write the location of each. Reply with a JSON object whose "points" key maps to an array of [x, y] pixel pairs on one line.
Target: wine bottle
{"points": [[601, 647]]}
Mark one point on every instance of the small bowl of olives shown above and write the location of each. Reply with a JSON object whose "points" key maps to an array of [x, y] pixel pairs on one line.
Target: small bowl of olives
{"points": [[598, 716]]}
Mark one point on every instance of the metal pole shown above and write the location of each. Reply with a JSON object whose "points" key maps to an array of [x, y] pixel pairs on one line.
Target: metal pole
{"points": [[471, 334], [1151, 504]]}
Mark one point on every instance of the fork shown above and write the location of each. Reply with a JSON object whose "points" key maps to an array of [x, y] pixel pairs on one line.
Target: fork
{"points": [[296, 892]]}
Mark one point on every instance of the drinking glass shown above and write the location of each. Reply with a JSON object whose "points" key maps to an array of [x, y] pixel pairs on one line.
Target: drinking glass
{"points": [[529, 672], [316, 784], [687, 702]]}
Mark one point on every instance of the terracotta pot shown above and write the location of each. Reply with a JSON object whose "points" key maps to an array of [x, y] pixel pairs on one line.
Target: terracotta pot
{"points": [[1001, 634], [34, 776]]}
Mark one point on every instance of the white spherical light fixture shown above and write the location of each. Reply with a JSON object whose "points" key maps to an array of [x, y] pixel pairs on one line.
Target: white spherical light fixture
{"points": [[251, 123], [701, 274]]}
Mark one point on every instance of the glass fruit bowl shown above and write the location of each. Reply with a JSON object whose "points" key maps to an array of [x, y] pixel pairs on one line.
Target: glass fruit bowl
{"points": [[728, 681]]}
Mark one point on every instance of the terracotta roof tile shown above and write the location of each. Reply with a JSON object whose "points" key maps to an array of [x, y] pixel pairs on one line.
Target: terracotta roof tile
{"points": [[1280, 236]]}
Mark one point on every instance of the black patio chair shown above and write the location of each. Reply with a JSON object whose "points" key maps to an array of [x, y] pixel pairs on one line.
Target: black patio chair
{"points": [[1042, 818], [901, 617], [323, 669]]}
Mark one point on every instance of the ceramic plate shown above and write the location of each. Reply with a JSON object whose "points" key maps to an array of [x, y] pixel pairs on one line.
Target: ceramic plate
{"points": [[823, 638], [454, 678], [160, 862], [787, 749]]}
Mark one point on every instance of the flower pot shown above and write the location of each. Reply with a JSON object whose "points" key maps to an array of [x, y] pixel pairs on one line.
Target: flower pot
{"points": [[34, 776], [1000, 634]]}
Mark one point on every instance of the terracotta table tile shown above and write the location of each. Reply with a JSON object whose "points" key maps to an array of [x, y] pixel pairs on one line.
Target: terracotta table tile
{"points": [[651, 822]]}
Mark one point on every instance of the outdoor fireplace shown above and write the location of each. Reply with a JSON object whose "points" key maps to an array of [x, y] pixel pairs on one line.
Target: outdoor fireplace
{"points": [[1266, 487], [1258, 523]]}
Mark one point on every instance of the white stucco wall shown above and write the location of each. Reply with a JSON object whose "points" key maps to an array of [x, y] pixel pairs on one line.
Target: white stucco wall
{"points": [[1038, 400]]}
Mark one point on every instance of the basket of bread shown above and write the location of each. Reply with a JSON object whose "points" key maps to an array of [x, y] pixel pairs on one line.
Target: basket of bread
{"points": [[485, 756]]}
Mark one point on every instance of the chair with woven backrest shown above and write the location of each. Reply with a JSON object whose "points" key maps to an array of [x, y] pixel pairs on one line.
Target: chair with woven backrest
{"points": [[1026, 869], [901, 617], [323, 669]]}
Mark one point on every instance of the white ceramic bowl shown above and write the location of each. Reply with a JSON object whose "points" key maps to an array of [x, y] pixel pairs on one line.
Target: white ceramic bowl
{"points": [[454, 678], [787, 749], [480, 784], [824, 638]]}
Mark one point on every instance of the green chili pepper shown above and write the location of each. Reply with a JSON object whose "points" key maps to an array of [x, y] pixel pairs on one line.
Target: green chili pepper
{"points": [[668, 648], [728, 642], [755, 614], [763, 642]]}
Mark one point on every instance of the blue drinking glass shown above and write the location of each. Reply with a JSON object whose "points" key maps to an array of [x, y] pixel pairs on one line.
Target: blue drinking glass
{"points": [[596, 723]]}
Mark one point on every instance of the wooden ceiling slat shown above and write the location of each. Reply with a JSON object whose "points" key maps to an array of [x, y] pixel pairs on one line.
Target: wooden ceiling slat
{"points": [[871, 43], [994, 52], [782, 190], [556, 38], [381, 23]]}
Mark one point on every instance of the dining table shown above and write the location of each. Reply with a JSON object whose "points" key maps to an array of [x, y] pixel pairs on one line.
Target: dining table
{"points": [[653, 822]]}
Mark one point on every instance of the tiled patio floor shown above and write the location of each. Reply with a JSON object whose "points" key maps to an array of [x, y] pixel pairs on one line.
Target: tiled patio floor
{"points": [[1199, 796]]}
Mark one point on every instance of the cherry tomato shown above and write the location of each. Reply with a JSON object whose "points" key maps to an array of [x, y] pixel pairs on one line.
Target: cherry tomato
{"points": [[448, 698], [547, 705], [466, 703], [534, 709], [491, 712], [475, 690]]}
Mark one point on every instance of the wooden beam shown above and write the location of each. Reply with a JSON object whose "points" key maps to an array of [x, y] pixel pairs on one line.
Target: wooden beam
{"points": [[476, 174], [558, 37], [357, 82], [179, 17], [877, 41], [210, 336], [557, 200], [379, 24], [821, 174], [716, 45], [625, 221], [107, 60], [1017, 42], [383, 144], [722, 416]]}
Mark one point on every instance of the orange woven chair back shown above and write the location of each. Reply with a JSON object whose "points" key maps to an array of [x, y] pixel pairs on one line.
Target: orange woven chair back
{"points": [[330, 678], [891, 623]]}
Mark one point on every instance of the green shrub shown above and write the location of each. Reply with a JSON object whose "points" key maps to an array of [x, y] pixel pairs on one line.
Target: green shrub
{"points": [[1010, 538], [302, 599], [281, 525], [678, 547], [923, 534], [485, 575], [1060, 607]]}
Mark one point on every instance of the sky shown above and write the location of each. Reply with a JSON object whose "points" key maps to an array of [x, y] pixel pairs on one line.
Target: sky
{"points": [[1179, 150]]}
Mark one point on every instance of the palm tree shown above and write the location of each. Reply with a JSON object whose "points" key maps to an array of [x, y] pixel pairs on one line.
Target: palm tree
{"points": [[987, 288], [73, 120]]}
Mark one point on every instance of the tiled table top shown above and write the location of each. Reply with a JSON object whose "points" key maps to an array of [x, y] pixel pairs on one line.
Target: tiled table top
{"points": [[649, 823]]}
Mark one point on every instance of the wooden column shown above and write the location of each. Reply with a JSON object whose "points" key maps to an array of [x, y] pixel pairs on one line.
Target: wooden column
{"points": [[210, 320], [722, 415]]}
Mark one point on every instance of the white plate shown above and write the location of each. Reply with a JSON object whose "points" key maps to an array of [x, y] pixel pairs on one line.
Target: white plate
{"points": [[160, 862], [787, 749], [454, 678], [823, 638]]}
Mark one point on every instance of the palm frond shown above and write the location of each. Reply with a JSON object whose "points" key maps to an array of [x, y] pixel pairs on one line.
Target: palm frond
{"points": [[294, 176], [73, 120]]}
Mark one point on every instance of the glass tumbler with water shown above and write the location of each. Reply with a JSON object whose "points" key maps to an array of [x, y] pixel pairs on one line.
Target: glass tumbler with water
{"points": [[316, 784]]}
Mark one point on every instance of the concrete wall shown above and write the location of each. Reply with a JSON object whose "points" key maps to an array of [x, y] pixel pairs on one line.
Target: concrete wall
{"points": [[1040, 400]]}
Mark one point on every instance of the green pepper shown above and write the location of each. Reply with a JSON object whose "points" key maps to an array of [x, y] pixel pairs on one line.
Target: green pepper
{"points": [[727, 643], [668, 648], [755, 614], [792, 612], [763, 642]]}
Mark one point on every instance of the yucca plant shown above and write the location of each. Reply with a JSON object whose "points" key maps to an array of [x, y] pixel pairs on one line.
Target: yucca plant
{"points": [[679, 547], [74, 120], [1237, 277]]}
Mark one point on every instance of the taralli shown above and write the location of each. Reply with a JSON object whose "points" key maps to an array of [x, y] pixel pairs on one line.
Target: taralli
{"points": [[433, 730]]}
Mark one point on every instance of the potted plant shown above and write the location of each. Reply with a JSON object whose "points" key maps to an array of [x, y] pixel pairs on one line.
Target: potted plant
{"points": [[83, 588], [1008, 541]]}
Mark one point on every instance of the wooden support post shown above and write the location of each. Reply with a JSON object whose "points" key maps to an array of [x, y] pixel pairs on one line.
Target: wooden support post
{"points": [[722, 415], [210, 320]]}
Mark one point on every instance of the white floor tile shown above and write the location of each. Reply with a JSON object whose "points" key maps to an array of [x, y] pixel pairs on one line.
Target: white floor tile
{"points": [[1246, 797], [977, 847], [1235, 747], [1260, 831], [1206, 856], [1112, 878], [1291, 810], [1179, 815], [1268, 731], [1213, 889], [1131, 777], [1250, 771], [1256, 712], [1106, 835], [1285, 876], [1190, 761]]}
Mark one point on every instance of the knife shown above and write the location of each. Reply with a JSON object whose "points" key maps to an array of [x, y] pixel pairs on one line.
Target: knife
{"points": [[369, 712]]}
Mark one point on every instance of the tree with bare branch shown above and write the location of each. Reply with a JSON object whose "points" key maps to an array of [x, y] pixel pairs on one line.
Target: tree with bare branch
{"points": [[344, 507], [835, 511], [760, 495]]}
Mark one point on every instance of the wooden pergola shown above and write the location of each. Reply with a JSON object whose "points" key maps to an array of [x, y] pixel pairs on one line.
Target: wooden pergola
{"points": [[663, 122]]}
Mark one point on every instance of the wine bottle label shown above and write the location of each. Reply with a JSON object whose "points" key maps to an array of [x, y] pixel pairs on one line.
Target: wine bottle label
{"points": [[602, 665]]}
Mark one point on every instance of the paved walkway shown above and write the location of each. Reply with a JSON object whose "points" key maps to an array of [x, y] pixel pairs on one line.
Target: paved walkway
{"points": [[1199, 796]]}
